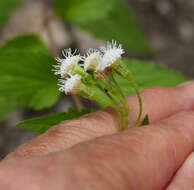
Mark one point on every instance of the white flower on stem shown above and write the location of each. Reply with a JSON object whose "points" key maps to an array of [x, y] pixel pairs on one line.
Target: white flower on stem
{"points": [[92, 60], [71, 84], [65, 65], [112, 53]]}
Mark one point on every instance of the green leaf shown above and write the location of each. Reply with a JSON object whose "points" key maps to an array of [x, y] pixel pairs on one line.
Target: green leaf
{"points": [[26, 42], [26, 74], [6, 8], [145, 120], [106, 19], [148, 74], [42, 124]]}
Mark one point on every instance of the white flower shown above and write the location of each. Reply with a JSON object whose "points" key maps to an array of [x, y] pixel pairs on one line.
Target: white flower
{"points": [[112, 52], [65, 65], [92, 59], [70, 85]]}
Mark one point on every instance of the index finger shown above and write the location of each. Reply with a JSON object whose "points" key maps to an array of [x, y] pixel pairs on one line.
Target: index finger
{"points": [[158, 103]]}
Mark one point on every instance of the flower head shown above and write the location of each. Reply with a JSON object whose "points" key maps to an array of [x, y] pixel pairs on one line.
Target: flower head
{"points": [[112, 53], [92, 59], [65, 65], [71, 84]]}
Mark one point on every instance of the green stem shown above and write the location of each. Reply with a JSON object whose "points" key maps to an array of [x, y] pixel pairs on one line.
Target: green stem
{"points": [[123, 70], [123, 101], [120, 111], [88, 93], [110, 85], [140, 102]]}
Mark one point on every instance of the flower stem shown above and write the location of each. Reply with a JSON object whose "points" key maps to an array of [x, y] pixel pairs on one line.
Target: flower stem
{"points": [[123, 71], [123, 101], [110, 85], [120, 111]]}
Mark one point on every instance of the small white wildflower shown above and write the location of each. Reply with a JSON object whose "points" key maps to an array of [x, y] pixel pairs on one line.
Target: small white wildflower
{"points": [[112, 52], [92, 59], [70, 85], [65, 65]]}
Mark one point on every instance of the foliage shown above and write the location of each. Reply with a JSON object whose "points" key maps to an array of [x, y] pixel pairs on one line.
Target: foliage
{"points": [[42, 124], [25, 75], [106, 19], [6, 8]]}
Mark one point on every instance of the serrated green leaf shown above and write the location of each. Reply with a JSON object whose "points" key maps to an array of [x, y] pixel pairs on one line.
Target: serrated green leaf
{"points": [[26, 74], [106, 19], [42, 124], [6, 8], [148, 74]]}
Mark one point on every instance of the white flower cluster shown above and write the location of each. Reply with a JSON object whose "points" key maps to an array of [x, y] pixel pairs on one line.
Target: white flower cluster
{"points": [[95, 60]]}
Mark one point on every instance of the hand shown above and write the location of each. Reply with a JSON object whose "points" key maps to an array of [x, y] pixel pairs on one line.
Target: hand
{"points": [[90, 152]]}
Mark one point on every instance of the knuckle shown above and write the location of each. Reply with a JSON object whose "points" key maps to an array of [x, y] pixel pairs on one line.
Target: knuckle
{"points": [[100, 122]]}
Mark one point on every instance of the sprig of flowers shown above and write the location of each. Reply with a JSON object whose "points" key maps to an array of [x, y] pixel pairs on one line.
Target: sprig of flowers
{"points": [[80, 74]]}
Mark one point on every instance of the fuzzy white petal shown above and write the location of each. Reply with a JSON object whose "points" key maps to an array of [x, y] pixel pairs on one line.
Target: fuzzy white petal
{"points": [[65, 65], [92, 59], [112, 52]]}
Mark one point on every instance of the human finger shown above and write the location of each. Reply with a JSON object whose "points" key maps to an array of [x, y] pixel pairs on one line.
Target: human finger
{"points": [[143, 158], [158, 103]]}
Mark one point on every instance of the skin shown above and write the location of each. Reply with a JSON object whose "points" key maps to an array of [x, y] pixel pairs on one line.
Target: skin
{"points": [[90, 152]]}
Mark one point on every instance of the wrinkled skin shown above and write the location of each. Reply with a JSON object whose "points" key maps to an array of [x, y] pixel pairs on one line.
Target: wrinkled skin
{"points": [[90, 152]]}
